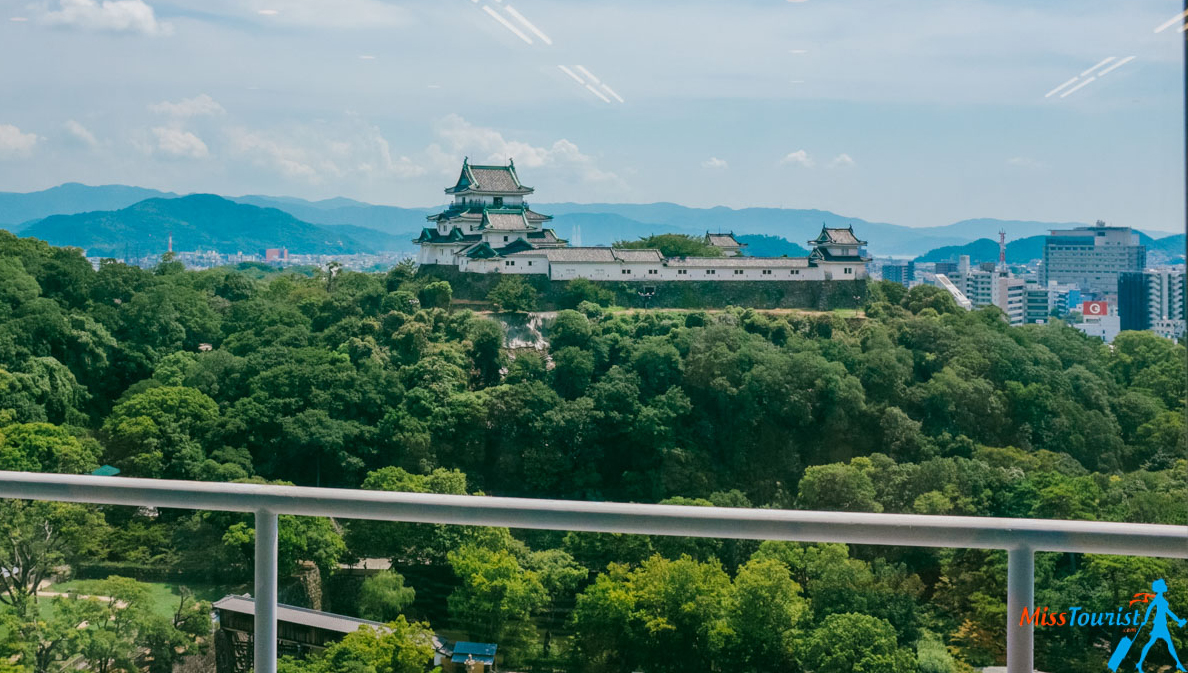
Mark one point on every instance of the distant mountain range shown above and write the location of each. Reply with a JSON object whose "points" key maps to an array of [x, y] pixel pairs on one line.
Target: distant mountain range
{"points": [[200, 222], [1024, 250], [368, 227]]}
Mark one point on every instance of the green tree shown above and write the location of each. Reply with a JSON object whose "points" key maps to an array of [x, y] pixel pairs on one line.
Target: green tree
{"points": [[764, 616], [496, 598], [573, 369], [161, 432], [35, 538], [415, 543], [41, 447], [581, 290], [383, 597], [437, 294], [486, 351], [839, 487], [400, 647], [569, 328], [631, 619], [673, 245], [512, 293], [854, 643], [299, 538]]}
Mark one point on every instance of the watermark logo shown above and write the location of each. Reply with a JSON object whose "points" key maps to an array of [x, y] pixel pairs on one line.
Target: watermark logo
{"points": [[1144, 608], [1159, 630]]}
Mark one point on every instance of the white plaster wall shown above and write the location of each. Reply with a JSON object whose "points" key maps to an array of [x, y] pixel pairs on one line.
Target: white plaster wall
{"points": [[433, 254], [524, 265]]}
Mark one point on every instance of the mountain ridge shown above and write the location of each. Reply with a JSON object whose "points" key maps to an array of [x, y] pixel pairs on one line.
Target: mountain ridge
{"points": [[599, 223], [195, 222]]}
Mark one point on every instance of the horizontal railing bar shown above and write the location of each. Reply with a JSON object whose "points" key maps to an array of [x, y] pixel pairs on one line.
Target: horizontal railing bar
{"points": [[719, 522]]}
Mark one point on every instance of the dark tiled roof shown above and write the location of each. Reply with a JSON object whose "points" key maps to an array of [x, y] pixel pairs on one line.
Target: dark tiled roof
{"points": [[738, 262], [293, 615], [495, 179], [430, 235], [518, 245], [837, 237], [489, 179], [534, 216], [722, 241], [599, 255], [638, 255], [506, 220], [579, 254], [485, 251], [545, 237], [479, 251]]}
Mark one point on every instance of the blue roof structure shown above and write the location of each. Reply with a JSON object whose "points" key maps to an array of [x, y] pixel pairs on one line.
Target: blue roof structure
{"points": [[484, 653]]}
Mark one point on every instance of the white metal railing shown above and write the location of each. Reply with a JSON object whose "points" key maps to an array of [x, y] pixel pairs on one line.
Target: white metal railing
{"points": [[1020, 537]]}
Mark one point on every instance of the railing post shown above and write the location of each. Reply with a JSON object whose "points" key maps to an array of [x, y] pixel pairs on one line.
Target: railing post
{"points": [[1020, 594], [265, 602]]}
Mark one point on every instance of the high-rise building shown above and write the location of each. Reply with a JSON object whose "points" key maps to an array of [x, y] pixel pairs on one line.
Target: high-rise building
{"points": [[994, 287], [1042, 300], [1092, 257], [1154, 300], [947, 268], [900, 272]]}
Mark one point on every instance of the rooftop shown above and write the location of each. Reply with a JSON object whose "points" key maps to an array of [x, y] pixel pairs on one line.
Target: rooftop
{"points": [[508, 220], [722, 240], [488, 180], [738, 262], [294, 615], [836, 236]]}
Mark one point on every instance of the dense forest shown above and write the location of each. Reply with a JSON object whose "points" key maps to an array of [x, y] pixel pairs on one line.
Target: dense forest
{"points": [[340, 379]]}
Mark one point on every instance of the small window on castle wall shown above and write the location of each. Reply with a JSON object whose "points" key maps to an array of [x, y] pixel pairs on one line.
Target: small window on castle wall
{"points": [[505, 239], [738, 272]]}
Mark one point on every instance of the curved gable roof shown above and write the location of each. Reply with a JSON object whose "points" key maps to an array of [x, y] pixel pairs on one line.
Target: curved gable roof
{"points": [[488, 180]]}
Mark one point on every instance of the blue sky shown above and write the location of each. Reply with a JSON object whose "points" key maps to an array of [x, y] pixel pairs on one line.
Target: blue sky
{"points": [[913, 112]]}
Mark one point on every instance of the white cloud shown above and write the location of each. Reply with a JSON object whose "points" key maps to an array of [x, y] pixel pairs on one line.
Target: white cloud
{"points": [[798, 157], [119, 16], [179, 143], [842, 160], [15, 143], [199, 105], [290, 160], [316, 155], [81, 134], [486, 145], [714, 162]]}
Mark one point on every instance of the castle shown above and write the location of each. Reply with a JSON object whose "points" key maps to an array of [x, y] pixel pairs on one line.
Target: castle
{"points": [[489, 228]]}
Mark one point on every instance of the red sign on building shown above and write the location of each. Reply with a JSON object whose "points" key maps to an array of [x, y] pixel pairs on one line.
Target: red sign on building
{"points": [[1094, 308]]}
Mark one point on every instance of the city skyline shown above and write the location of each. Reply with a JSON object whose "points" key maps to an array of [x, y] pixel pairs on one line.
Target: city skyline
{"points": [[911, 113]]}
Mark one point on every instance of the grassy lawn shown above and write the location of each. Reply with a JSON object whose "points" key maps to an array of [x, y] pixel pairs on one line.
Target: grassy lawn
{"points": [[163, 596]]}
